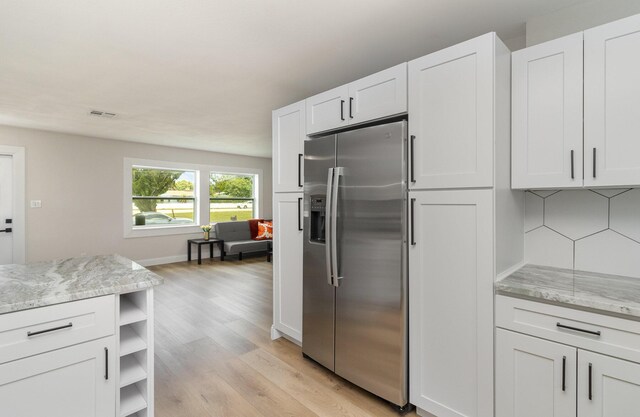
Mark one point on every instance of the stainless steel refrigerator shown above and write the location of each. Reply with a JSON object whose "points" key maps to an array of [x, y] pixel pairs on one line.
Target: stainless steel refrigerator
{"points": [[355, 258]]}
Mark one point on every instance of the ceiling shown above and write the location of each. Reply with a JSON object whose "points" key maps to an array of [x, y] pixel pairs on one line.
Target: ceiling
{"points": [[205, 74]]}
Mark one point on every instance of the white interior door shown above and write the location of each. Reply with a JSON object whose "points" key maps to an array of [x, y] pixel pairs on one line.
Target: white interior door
{"points": [[6, 209], [612, 104], [547, 114], [607, 387], [534, 377]]}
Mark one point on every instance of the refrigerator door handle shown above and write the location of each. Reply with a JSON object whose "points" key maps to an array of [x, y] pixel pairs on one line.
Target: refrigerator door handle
{"points": [[337, 173], [327, 240]]}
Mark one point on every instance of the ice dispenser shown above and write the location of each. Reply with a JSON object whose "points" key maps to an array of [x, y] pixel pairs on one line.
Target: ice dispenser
{"points": [[317, 218]]}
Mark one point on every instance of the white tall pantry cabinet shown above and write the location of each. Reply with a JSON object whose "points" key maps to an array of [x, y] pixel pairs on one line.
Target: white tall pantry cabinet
{"points": [[466, 223], [289, 131]]}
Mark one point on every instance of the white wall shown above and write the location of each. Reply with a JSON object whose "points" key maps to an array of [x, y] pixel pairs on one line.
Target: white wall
{"points": [[587, 230], [80, 182], [577, 18]]}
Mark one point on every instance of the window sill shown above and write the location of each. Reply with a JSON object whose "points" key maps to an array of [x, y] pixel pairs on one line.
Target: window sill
{"points": [[186, 229]]}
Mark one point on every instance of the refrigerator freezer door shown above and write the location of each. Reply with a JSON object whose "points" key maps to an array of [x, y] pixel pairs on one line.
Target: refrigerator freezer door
{"points": [[371, 300], [318, 303]]}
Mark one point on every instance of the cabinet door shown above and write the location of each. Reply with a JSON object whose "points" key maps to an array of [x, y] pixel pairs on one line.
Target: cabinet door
{"points": [[288, 147], [379, 95], [547, 114], [607, 387], [328, 110], [534, 377], [451, 107], [451, 302], [612, 104], [70, 382], [287, 264]]}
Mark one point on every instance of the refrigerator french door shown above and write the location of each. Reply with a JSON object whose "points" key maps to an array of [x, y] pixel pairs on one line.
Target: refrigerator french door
{"points": [[355, 260]]}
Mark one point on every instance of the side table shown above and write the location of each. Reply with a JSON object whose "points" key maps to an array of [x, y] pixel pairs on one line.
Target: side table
{"points": [[200, 242]]}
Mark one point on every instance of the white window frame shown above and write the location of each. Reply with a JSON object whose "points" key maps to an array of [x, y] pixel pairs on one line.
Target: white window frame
{"points": [[201, 191], [255, 173]]}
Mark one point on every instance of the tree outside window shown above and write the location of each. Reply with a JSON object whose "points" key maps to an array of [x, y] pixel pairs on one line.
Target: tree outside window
{"points": [[231, 197], [162, 196]]}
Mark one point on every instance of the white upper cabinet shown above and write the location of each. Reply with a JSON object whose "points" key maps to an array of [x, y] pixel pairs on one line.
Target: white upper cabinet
{"points": [[551, 135], [288, 124], [451, 102], [547, 114], [612, 104], [379, 95], [328, 110]]}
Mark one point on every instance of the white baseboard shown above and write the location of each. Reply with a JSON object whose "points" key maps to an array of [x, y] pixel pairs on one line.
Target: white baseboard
{"points": [[165, 260]]}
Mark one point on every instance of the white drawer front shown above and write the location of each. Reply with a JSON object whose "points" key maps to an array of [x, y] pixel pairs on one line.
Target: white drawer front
{"points": [[30, 332], [617, 336]]}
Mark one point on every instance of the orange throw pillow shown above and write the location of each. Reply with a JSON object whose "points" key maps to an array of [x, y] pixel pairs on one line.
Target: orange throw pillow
{"points": [[253, 227], [265, 231]]}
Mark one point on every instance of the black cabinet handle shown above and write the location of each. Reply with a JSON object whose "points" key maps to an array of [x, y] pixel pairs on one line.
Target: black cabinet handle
{"points": [[300, 156], [412, 146], [106, 363], [351, 107], [564, 373], [572, 176], [413, 234], [590, 382], [564, 326], [594, 162], [342, 110], [299, 223], [7, 230], [66, 326]]}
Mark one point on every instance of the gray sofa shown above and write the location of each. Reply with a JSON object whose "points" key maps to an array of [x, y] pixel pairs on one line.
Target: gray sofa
{"points": [[237, 238]]}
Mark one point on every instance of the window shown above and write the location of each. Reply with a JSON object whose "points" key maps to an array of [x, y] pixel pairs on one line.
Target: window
{"points": [[231, 196], [162, 197]]}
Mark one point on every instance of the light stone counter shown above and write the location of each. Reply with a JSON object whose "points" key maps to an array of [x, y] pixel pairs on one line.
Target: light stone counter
{"points": [[607, 293], [45, 283]]}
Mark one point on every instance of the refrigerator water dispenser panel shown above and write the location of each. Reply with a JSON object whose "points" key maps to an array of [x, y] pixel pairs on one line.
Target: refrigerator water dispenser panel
{"points": [[318, 205]]}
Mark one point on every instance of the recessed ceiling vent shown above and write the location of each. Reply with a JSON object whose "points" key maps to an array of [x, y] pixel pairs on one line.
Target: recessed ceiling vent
{"points": [[103, 114]]}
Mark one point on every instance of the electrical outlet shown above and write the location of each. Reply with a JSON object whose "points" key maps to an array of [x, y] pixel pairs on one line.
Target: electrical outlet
{"points": [[36, 203]]}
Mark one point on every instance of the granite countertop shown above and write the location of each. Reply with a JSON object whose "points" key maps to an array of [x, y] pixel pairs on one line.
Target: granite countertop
{"points": [[45, 283], [607, 293]]}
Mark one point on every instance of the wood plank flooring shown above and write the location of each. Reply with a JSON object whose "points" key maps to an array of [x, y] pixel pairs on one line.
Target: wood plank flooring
{"points": [[214, 355]]}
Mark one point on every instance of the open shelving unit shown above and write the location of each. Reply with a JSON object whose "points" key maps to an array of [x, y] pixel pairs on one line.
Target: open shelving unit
{"points": [[135, 370]]}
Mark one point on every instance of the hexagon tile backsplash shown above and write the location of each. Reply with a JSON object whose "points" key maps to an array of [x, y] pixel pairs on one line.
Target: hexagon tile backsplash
{"points": [[587, 230]]}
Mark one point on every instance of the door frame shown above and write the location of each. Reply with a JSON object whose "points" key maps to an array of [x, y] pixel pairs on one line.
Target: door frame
{"points": [[17, 154]]}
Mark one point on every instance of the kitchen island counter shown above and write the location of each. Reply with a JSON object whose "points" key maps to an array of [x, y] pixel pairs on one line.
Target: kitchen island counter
{"points": [[39, 284]]}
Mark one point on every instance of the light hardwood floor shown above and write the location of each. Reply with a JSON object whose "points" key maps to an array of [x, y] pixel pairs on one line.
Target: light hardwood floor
{"points": [[214, 355]]}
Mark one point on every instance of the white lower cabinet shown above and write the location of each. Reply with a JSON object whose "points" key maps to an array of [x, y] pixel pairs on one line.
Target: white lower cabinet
{"points": [[534, 377], [451, 302], [287, 265], [77, 381], [578, 377], [614, 390]]}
